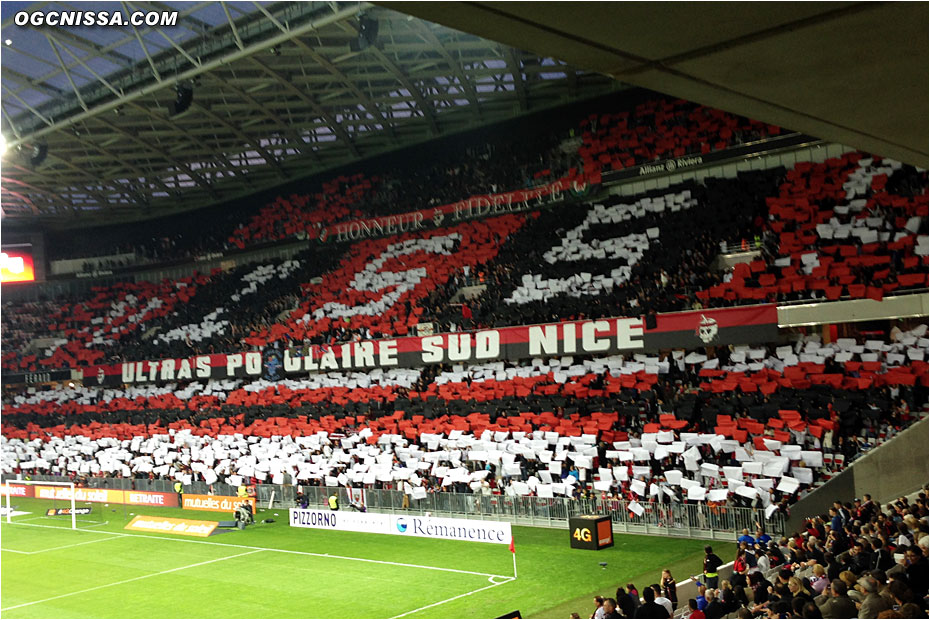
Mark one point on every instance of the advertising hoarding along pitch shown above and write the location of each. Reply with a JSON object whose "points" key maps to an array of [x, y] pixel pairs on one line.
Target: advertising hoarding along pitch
{"points": [[495, 532], [103, 496], [165, 525], [215, 503], [17, 490], [54, 512]]}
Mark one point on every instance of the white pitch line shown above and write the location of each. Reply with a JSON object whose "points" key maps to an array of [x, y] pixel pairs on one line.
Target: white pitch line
{"points": [[306, 553], [15, 551], [32, 519], [117, 583], [449, 600], [86, 542]]}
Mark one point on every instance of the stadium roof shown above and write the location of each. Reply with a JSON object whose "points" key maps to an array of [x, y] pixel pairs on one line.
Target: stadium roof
{"points": [[850, 72], [280, 90]]}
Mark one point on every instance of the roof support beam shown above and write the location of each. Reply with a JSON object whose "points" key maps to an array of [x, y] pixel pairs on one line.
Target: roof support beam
{"points": [[256, 144], [326, 64], [100, 78], [364, 99], [148, 147], [469, 89], [513, 64], [29, 82], [24, 198], [77, 92], [232, 26], [427, 109], [19, 139], [310, 101], [31, 187], [84, 173], [95, 49], [295, 139], [145, 50], [191, 73]]}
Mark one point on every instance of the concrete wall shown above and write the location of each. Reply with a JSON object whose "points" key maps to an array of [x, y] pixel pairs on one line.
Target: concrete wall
{"points": [[895, 468], [726, 261], [854, 310], [840, 487]]}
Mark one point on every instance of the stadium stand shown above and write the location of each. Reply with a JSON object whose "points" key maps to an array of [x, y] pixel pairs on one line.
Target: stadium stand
{"points": [[605, 260], [853, 226], [746, 426], [861, 560], [626, 424], [651, 131], [662, 129]]}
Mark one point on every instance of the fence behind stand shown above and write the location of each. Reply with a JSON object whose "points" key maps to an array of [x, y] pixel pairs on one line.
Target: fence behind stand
{"points": [[685, 520]]}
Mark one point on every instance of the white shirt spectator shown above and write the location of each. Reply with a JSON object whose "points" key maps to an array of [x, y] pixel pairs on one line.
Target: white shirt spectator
{"points": [[667, 604]]}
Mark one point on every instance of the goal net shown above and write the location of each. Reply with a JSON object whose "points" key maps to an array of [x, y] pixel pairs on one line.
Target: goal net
{"points": [[55, 501]]}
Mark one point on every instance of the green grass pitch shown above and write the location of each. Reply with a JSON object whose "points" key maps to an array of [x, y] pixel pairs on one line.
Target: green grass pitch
{"points": [[274, 571]]}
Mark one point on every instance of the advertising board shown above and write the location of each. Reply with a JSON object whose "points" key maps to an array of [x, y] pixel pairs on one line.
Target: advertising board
{"points": [[102, 496], [166, 525], [215, 503], [495, 532]]}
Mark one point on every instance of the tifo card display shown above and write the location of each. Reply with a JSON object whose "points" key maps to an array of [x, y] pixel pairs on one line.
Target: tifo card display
{"points": [[53, 512], [166, 525]]}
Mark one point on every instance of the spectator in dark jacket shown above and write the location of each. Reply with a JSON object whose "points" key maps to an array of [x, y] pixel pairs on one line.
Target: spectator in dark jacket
{"points": [[714, 607], [836, 604], [649, 608], [625, 603]]}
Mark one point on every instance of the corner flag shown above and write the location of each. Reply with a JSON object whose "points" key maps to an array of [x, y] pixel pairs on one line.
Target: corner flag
{"points": [[512, 548]]}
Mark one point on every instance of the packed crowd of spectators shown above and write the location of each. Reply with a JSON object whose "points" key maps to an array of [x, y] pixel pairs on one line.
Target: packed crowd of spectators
{"points": [[615, 405], [852, 226], [23, 322], [861, 560], [662, 129], [608, 258], [494, 162]]}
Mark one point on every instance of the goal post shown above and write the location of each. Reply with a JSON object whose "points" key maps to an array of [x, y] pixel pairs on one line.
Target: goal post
{"points": [[9, 486]]}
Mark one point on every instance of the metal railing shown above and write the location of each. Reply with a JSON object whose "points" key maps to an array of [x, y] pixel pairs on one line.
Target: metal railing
{"points": [[674, 519]]}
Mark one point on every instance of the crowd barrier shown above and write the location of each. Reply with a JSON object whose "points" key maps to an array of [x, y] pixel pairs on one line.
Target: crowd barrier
{"points": [[702, 521]]}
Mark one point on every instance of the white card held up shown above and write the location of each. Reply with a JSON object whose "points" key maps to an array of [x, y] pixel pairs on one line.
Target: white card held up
{"points": [[747, 492], [697, 493], [787, 484]]}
